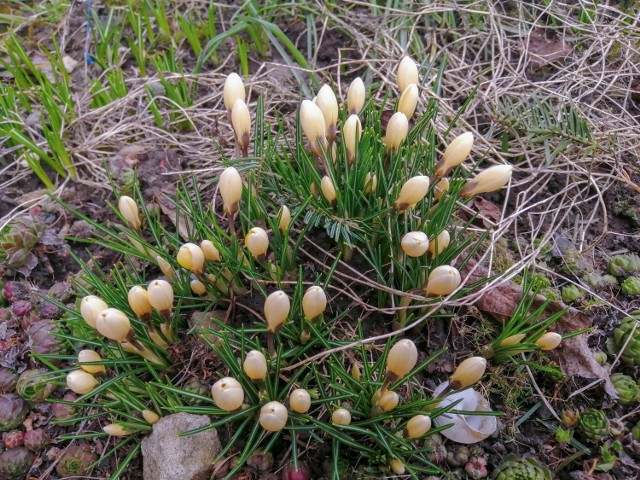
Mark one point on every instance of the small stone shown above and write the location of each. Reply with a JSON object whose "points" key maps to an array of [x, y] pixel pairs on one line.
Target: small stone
{"points": [[168, 456]]}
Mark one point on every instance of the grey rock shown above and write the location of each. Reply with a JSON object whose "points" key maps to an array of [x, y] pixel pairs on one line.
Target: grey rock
{"points": [[167, 456]]}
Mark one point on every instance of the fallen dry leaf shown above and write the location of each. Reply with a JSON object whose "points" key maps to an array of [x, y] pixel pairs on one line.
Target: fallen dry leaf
{"points": [[543, 50]]}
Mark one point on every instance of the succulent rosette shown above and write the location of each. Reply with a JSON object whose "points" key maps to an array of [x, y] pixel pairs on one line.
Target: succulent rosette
{"points": [[628, 333], [15, 463], [594, 424], [13, 411], [627, 388], [517, 468]]}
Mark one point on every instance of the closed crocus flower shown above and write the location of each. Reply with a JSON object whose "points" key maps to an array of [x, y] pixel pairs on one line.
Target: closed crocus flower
{"points": [[115, 430], [233, 90], [166, 268], [401, 359], [257, 242], [455, 153], [328, 189], [341, 416], [210, 251], [81, 382], [351, 133], [415, 244], [407, 73], [397, 130], [227, 394], [388, 400], [129, 210], [397, 466], [512, 340], [439, 243], [139, 302], [468, 373], [230, 186], [91, 356], [549, 341], [413, 191], [300, 400], [255, 366], [442, 280], [328, 104], [314, 302], [276, 310], [273, 416], [409, 100], [489, 180], [198, 287], [113, 324], [417, 426], [241, 121], [370, 183], [285, 218], [90, 308], [150, 417], [313, 125], [161, 296], [191, 257], [356, 96], [440, 188]]}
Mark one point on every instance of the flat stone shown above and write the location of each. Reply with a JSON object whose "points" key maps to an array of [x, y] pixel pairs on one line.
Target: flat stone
{"points": [[167, 456]]}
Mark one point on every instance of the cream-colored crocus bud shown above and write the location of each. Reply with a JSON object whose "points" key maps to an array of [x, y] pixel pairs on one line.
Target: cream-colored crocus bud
{"points": [[198, 287], [388, 400], [285, 218], [139, 302], [273, 416], [166, 268], [407, 73], [356, 96], [91, 356], [351, 133], [313, 126], [397, 130], [227, 394], [415, 244], [468, 373], [113, 324], [314, 302], [129, 210], [255, 366], [549, 341], [257, 242], [81, 382], [370, 183], [489, 180], [230, 186], [402, 357], [409, 100], [328, 189], [150, 416], [442, 280], [90, 308], [328, 104], [355, 372], [116, 430], [413, 191], [191, 257], [233, 90], [210, 251], [417, 426], [341, 416], [300, 400], [455, 153], [440, 243], [161, 296], [512, 340], [241, 121], [440, 188], [276, 310], [397, 466]]}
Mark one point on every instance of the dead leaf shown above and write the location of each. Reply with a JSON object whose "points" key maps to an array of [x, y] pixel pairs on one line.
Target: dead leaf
{"points": [[170, 211], [543, 50]]}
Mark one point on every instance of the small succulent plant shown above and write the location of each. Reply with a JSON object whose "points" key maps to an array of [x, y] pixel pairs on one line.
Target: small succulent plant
{"points": [[37, 439], [597, 280], [631, 286], [594, 424], [563, 435], [458, 456], [76, 460], [476, 468], [628, 332], [13, 411], [571, 293], [635, 431], [14, 291], [15, 463], [63, 411], [42, 338], [193, 385], [600, 357], [12, 439], [621, 265], [34, 386], [8, 379], [628, 390], [18, 239], [260, 460], [517, 468]]}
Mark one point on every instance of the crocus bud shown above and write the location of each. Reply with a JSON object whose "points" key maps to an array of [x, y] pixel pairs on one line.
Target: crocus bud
{"points": [[397, 130], [328, 104], [273, 416], [227, 394], [241, 121], [276, 310], [512, 340], [210, 251], [139, 302], [150, 417], [115, 430], [113, 324], [257, 242], [351, 133], [198, 287], [442, 280], [407, 73], [313, 125], [233, 90], [412, 192], [468, 373], [91, 356], [397, 466], [455, 153], [489, 180], [355, 371], [314, 302], [401, 359], [161, 296], [549, 341], [370, 183], [166, 268], [81, 382], [300, 400], [415, 244], [409, 100], [230, 186], [129, 210], [341, 416], [417, 426], [285, 218], [440, 188], [356, 96], [440, 243], [328, 189], [255, 366], [388, 400], [90, 308], [191, 257]]}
